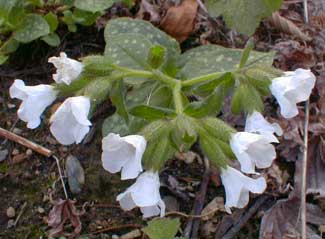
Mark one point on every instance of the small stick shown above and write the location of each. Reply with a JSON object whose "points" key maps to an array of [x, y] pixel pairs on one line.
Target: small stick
{"points": [[305, 154], [132, 234], [61, 176], [20, 213], [27, 143], [193, 224], [245, 217], [113, 228]]}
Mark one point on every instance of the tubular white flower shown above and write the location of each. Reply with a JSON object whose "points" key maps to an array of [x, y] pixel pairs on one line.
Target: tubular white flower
{"points": [[237, 187], [144, 193], [35, 100], [252, 150], [67, 69], [256, 123], [69, 124], [123, 154], [292, 88]]}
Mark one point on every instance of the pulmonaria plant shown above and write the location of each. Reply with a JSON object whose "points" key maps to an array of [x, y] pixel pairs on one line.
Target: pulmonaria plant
{"points": [[150, 83]]}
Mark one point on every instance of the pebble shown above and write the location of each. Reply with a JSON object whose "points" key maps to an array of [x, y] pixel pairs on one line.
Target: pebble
{"points": [[3, 154], [15, 151], [11, 106], [11, 223], [11, 213], [115, 237], [29, 152], [40, 210]]}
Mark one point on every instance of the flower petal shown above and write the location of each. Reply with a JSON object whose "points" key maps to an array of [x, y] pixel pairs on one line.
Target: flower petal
{"points": [[35, 100], [237, 187]]}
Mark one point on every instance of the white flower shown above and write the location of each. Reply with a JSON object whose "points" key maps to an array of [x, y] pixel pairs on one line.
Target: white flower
{"points": [[237, 187], [123, 154], [252, 150], [292, 88], [67, 69], [255, 123], [144, 193], [35, 100], [69, 123]]}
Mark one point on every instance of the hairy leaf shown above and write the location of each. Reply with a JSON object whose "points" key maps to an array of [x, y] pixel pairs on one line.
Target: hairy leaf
{"points": [[93, 5], [34, 26], [152, 112], [162, 228], [243, 15]]}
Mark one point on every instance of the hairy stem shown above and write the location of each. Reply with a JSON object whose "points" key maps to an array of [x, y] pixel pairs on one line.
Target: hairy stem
{"points": [[178, 97], [203, 78]]}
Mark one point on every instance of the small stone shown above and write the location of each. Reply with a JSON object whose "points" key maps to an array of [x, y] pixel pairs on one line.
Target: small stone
{"points": [[11, 223], [11, 106], [11, 212], [29, 152], [115, 237], [3, 154], [15, 151], [40, 210], [17, 131]]}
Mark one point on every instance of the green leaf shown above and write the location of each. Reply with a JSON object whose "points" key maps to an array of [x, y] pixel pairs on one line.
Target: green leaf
{"points": [[11, 45], [162, 228], [85, 18], [156, 56], [99, 65], [183, 133], [212, 150], [243, 15], [3, 59], [52, 20], [5, 7], [52, 39], [152, 34], [162, 97], [217, 128], [34, 27], [117, 96], [152, 112], [246, 99], [98, 89], [209, 59], [245, 54], [76, 85], [115, 124], [93, 5], [209, 86], [128, 50], [210, 105]]}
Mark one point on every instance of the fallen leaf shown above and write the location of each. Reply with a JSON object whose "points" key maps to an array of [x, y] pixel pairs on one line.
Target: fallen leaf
{"points": [[217, 204], [179, 20], [282, 220], [63, 212]]}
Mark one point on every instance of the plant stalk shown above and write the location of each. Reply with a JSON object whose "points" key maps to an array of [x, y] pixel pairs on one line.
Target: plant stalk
{"points": [[178, 97], [203, 78]]}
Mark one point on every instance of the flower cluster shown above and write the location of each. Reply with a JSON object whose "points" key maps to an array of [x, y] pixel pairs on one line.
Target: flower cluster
{"points": [[69, 123], [253, 147]]}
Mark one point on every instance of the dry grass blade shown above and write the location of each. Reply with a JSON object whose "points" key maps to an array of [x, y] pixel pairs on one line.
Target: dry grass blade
{"points": [[287, 26]]}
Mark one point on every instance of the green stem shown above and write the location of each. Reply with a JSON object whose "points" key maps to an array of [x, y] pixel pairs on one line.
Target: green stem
{"points": [[131, 72], [178, 97], [203, 78]]}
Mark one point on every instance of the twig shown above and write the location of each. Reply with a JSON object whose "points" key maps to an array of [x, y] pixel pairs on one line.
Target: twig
{"points": [[27, 143], [113, 228], [61, 176], [305, 155], [20, 213], [245, 217], [181, 214], [192, 226]]}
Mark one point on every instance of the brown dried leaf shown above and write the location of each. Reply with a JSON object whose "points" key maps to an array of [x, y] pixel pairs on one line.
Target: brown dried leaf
{"points": [[217, 204], [282, 220], [287, 26], [64, 211], [179, 20]]}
